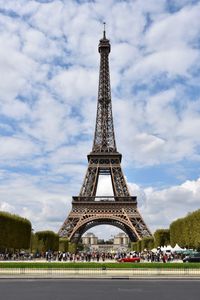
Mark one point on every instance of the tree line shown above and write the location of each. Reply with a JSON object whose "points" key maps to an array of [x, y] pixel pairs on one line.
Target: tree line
{"points": [[184, 231], [16, 234]]}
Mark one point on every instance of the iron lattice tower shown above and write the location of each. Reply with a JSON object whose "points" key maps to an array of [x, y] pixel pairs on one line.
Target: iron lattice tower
{"points": [[88, 210]]}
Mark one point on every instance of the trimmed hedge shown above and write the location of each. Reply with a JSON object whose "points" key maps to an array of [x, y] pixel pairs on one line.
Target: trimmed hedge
{"points": [[186, 231], [47, 240], [15, 231]]}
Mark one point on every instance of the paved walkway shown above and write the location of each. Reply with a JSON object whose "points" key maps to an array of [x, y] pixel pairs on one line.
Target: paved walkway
{"points": [[98, 273]]}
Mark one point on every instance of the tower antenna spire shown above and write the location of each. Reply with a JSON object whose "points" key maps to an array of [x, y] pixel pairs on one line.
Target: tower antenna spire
{"points": [[104, 30]]}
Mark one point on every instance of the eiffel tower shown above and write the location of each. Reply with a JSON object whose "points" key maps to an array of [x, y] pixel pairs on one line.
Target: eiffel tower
{"points": [[88, 209]]}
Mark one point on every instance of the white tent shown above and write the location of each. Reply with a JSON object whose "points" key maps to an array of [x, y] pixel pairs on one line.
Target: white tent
{"points": [[163, 248], [177, 248], [168, 248]]}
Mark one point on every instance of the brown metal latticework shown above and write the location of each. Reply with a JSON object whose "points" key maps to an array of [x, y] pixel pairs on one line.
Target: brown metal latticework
{"points": [[88, 210]]}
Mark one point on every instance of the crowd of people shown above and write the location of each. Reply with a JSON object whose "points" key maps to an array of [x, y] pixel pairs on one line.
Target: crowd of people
{"points": [[88, 256], [160, 256], [16, 256], [95, 256]]}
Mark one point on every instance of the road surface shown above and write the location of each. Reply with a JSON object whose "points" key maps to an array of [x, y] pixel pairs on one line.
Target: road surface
{"points": [[136, 289]]}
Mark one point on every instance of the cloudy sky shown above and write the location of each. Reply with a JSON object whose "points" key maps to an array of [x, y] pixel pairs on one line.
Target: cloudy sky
{"points": [[49, 67]]}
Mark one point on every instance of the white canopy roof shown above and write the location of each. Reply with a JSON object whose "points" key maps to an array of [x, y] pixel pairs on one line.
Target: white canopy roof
{"points": [[177, 248], [168, 248]]}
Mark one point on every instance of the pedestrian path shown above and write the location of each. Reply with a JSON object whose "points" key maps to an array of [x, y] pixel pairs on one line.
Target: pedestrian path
{"points": [[98, 273]]}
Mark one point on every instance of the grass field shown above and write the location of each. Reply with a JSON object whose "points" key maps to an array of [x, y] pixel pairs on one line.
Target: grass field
{"points": [[85, 265]]}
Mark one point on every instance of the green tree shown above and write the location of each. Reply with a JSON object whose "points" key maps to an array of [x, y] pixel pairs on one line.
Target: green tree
{"points": [[139, 246], [134, 246], [63, 245], [47, 240], [196, 229], [72, 247], [162, 237], [147, 243]]}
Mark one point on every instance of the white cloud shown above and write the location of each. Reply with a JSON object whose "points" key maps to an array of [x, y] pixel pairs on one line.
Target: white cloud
{"points": [[76, 83], [45, 209], [16, 109], [172, 61], [13, 148], [163, 127], [14, 68], [38, 46], [121, 61], [7, 207], [165, 205], [174, 30], [47, 122]]}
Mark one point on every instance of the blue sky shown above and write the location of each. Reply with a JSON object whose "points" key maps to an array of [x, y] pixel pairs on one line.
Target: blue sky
{"points": [[49, 67]]}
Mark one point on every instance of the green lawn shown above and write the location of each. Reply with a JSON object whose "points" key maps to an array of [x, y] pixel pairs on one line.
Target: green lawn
{"points": [[79, 265]]}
